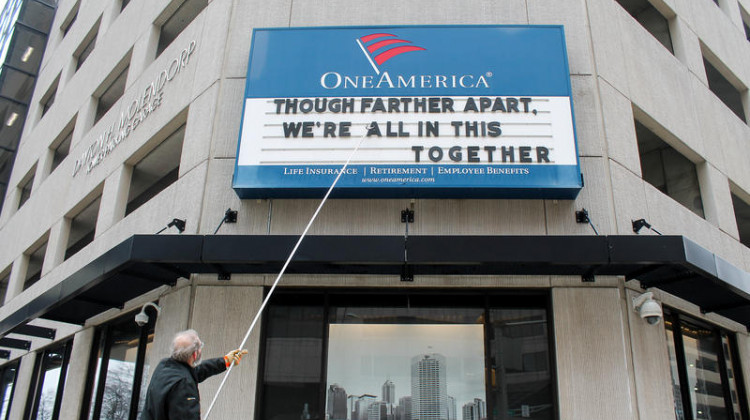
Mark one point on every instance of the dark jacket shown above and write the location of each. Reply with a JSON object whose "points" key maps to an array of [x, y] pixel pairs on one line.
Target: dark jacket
{"points": [[173, 391]]}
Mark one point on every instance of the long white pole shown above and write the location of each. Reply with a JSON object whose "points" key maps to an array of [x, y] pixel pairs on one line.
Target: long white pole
{"points": [[283, 269]]}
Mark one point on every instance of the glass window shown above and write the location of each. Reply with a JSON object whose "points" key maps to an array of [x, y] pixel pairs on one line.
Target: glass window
{"points": [[8, 374], [666, 169], [178, 21], [745, 22], [117, 373], [45, 394], [404, 357], [155, 172], [124, 5], [705, 371]]}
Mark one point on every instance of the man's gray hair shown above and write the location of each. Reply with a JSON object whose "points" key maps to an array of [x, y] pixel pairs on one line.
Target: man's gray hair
{"points": [[184, 344]]}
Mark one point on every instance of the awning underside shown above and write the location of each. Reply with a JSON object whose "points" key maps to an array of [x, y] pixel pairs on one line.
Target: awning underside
{"points": [[144, 262]]}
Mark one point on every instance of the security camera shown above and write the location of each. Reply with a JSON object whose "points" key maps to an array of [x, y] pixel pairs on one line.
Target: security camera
{"points": [[648, 308], [141, 318]]}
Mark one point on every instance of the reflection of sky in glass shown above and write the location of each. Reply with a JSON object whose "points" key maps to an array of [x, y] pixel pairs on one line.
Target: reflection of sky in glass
{"points": [[6, 400], [361, 357]]}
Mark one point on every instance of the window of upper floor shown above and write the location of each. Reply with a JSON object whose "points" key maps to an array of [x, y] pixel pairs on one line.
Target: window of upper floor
{"points": [[724, 84], [86, 47], [706, 371], [4, 281], [48, 382], [745, 22], [24, 187], [124, 4], [67, 23], [742, 216], [35, 257], [49, 97], [651, 19], [60, 147], [177, 21], [111, 89], [156, 171], [668, 170], [82, 227]]}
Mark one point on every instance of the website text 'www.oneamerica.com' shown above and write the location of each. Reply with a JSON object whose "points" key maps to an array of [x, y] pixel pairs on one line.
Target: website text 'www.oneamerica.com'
{"points": [[397, 180]]}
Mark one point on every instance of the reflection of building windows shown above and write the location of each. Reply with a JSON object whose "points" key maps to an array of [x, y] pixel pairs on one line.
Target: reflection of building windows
{"points": [[379, 348], [46, 390], [706, 375], [118, 373], [8, 375]]}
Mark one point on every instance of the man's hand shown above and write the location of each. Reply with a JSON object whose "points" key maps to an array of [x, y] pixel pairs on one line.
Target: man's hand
{"points": [[234, 357]]}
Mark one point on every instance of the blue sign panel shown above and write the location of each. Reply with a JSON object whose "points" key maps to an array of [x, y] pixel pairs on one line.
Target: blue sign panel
{"points": [[429, 111]]}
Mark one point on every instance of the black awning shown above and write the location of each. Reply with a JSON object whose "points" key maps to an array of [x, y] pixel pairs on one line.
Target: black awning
{"points": [[144, 262]]}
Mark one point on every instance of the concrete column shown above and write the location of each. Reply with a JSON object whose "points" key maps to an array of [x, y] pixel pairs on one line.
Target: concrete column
{"points": [[114, 198], [594, 376], [717, 199], [144, 51], [17, 277], [76, 381], [221, 315], [687, 47], [23, 384], [653, 381]]}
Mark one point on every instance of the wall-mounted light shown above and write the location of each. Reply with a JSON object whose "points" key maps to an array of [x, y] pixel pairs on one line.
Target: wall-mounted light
{"points": [[642, 223]]}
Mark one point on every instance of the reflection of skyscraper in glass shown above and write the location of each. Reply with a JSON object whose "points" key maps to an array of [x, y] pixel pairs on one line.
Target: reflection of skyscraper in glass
{"points": [[476, 410], [361, 404], [403, 411], [336, 406], [389, 392], [429, 392], [451, 408]]}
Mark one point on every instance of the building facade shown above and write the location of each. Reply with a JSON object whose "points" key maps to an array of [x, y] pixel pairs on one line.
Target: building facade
{"points": [[117, 179]]}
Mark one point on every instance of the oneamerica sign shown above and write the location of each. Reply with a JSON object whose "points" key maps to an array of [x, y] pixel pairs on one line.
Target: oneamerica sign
{"points": [[446, 111]]}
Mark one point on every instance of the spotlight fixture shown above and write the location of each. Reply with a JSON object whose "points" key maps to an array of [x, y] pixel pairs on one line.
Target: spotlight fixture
{"points": [[648, 308], [178, 223], [642, 223], [141, 318], [230, 216], [582, 216]]}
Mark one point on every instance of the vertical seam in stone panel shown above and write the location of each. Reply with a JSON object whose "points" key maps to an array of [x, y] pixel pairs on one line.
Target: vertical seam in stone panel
{"points": [[603, 132], [629, 357], [291, 9]]}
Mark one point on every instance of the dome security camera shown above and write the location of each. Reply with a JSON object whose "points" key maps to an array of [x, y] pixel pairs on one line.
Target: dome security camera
{"points": [[648, 308], [141, 318]]}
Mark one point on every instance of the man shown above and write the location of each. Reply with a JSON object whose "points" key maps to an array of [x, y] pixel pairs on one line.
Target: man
{"points": [[173, 391]]}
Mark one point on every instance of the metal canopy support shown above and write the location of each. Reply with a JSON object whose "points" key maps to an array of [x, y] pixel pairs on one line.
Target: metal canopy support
{"points": [[13, 343], [35, 331]]}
